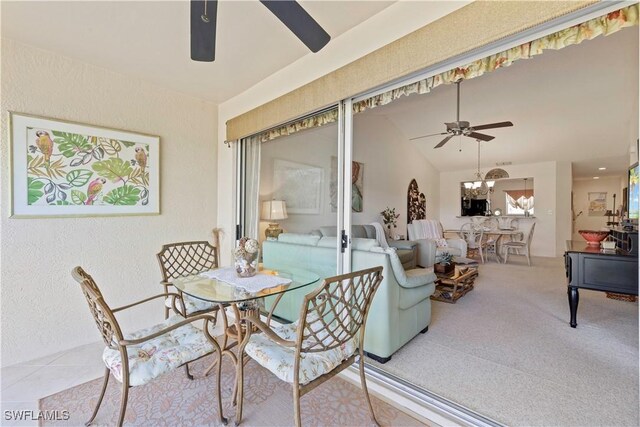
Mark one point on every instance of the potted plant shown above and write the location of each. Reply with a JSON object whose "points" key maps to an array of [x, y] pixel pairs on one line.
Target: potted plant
{"points": [[445, 265], [390, 218]]}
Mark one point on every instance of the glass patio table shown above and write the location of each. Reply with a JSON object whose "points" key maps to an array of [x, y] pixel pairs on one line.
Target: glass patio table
{"points": [[246, 309]]}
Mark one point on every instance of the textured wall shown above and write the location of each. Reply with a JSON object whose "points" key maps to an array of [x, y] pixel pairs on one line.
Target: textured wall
{"points": [[42, 308]]}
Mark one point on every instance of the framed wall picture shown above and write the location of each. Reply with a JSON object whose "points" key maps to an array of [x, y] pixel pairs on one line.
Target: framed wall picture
{"points": [[299, 185], [63, 169], [597, 203]]}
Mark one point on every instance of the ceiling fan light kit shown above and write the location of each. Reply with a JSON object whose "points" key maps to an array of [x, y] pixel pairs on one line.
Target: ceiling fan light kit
{"points": [[289, 12], [464, 128]]}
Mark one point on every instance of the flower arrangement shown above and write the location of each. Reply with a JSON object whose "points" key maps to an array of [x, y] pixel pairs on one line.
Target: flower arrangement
{"points": [[390, 217], [246, 256]]}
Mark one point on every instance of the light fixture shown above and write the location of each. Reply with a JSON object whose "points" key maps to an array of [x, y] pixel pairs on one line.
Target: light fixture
{"points": [[526, 202], [478, 187], [602, 169], [273, 210], [596, 177]]}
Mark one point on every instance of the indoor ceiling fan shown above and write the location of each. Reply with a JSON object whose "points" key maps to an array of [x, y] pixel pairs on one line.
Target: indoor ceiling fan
{"points": [[463, 128], [203, 26]]}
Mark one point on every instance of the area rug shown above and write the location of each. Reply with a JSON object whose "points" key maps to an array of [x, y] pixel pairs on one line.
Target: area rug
{"points": [[174, 400]]}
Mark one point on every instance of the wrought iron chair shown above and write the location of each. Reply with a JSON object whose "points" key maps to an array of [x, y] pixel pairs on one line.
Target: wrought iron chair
{"points": [[324, 340], [186, 259], [516, 246], [137, 358]]}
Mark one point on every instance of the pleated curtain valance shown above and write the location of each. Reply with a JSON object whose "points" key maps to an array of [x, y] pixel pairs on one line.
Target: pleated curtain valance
{"points": [[516, 194]]}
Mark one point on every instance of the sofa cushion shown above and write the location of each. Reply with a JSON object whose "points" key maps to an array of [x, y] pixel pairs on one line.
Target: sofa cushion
{"points": [[356, 243], [448, 249], [299, 239], [191, 304], [405, 255], [366, 231]]}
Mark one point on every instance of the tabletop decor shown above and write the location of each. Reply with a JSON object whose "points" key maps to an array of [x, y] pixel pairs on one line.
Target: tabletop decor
{"points": [[594, 237], [246, 257], [445, 265], [262, 280], [70, 169], [390, 220]]}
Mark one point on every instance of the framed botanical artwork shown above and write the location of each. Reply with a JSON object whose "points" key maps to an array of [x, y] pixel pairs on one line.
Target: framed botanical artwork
{"points": [[70, 169], [299, 185]]}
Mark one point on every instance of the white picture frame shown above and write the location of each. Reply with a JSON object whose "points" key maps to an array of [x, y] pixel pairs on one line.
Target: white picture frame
{"points": [[68, 169], [299, 185]]}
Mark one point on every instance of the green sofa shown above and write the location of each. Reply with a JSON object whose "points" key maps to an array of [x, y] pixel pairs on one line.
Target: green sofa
{"points": [[401, 307]]}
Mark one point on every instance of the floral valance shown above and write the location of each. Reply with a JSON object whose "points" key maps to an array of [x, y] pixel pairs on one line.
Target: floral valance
{"points": [[602, 25], [516, 194], [304, 123]]}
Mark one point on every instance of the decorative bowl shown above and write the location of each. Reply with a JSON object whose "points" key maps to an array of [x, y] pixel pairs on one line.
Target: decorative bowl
{"points": [[593, 237]]}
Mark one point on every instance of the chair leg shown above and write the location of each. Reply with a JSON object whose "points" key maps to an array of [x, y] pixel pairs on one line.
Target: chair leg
{"points": [[363, 381], [528, 257], [186, 368], [296, 405], [104, 388], [123, 401]]}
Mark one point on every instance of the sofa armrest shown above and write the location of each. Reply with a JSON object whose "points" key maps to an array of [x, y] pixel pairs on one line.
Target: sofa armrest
{"points": [[402, 244], [418, 277], [426, 252], [458, 244]]}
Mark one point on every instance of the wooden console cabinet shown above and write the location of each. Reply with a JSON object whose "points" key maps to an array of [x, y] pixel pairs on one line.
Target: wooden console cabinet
{"points": [[625, 239], [587, 267]]}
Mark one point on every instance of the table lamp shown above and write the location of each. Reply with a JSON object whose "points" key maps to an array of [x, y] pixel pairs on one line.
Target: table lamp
{"points": [[273, 210]]}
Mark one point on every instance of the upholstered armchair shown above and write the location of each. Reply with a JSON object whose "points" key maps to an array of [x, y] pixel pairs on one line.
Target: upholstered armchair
{"points": [[431, 242]]}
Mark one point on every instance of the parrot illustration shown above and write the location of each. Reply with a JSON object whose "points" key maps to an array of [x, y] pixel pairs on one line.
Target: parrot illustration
{"points": [[95, 187], [141, 157], [45, 144]]}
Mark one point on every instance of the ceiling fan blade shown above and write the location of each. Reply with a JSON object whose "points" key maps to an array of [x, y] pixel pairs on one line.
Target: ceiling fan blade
{"points": [[444, 141], [480, 136], [424, 136], [299, 22], [203, 30], [493, 126]]}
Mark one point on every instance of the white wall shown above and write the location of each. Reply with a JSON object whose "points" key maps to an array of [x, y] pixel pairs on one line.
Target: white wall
{"points": [[392, 23], [548, 240], [43, 310], [581, 189], [390, 163]]}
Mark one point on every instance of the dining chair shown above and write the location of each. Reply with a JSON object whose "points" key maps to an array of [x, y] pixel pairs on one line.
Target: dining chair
{"points": [[137, 358], [474, 236], [185, 259], [323, 341], [516, 246]]}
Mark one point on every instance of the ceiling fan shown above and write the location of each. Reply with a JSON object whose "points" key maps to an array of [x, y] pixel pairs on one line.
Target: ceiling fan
{"points": [[463, 128], [203, 26]]}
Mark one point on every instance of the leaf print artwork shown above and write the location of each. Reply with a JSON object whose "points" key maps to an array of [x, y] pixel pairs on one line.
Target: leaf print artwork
{"points": [[73, 169]]}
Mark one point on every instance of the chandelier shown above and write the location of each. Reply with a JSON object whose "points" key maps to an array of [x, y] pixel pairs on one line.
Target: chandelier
{"points": [[480, 186]]}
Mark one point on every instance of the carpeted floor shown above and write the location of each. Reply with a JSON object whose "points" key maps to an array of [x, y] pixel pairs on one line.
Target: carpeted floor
{"points": [[173, 400], [506, 350]]}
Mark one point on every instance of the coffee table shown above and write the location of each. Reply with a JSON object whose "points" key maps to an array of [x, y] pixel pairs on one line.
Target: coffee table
{"points": [[450, 287]]}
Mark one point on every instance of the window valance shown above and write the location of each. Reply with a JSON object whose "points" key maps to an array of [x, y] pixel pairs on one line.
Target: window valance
{"points": [[516, 194], [602, 25]]}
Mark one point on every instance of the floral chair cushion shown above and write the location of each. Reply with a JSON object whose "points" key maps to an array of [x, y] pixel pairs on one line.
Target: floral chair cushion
{"points": [[155, 357], [193, 305], [280, 360]]}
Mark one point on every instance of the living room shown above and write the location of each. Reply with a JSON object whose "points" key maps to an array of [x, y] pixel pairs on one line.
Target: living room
{"points": [[37, 77]]}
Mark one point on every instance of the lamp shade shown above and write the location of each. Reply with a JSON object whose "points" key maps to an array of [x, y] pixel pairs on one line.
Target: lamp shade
{"points": [[273, 210]]}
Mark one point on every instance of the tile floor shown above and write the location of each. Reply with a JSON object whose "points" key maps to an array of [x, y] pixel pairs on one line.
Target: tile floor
{"points": [[22, 385]]}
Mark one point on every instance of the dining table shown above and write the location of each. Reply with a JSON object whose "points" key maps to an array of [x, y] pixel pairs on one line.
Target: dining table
{"points": [[500, 233], [241, 303]]}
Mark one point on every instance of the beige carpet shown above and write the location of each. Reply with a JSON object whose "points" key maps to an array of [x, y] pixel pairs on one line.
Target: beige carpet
{"points": [[173, 400], [506, 351]]}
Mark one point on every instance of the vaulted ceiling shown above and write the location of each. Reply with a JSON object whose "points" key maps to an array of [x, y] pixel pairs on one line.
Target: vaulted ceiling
{"points": [[578, 104]]}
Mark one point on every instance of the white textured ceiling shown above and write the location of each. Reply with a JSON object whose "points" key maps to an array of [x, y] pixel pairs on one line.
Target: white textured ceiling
{"points": [[579, 104], [150, 39]]}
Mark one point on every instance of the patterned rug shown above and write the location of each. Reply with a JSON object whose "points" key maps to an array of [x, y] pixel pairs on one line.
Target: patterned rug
{"points": [[174, 400]]}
